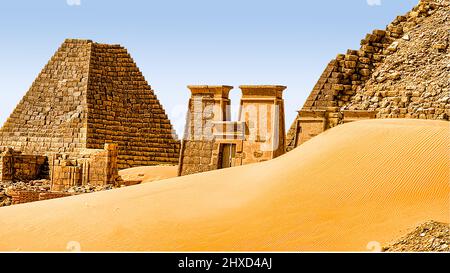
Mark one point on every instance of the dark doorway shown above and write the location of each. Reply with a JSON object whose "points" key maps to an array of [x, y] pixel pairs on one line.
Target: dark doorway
{"points": [[227, 155]]}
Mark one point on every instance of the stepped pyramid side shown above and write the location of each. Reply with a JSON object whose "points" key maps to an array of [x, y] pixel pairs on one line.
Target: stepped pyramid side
{"points": [[87, 95], [413, 81], [52, 116], [340, 95], [123, 109]]}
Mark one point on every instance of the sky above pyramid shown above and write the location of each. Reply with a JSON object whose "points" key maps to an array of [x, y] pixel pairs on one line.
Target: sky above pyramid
{"points": [[176, 43]]}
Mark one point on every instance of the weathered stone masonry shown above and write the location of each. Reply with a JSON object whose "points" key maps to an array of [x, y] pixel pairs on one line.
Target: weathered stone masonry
{"points": [[87, 95], [343, 81], [93, 167], [16, 166], [21, 197], [206, 105], [336, 86], [211, 141]]}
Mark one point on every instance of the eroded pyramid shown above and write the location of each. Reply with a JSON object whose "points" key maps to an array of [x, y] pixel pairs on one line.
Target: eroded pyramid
{"points": [[87, 95], [400, 72]]}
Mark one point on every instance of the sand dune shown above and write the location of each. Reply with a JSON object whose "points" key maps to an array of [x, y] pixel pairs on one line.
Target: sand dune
{"points": [[149, 173], [356, 183]]}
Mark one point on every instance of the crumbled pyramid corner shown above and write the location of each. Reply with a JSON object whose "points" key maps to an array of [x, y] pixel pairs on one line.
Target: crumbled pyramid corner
{"points": [[414, 79], [428, 237], [400, 72], [87, 95]]}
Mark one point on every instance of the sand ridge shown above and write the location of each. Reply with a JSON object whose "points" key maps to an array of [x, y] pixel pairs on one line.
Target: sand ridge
{"points": [[148, 174], [362, 182]]}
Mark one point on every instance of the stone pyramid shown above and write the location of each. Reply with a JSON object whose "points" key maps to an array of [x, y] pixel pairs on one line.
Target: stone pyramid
{"points": [[87, 95], [399, 72]]}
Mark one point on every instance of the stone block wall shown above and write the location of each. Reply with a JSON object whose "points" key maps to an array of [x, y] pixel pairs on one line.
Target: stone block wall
{"points": [[348, 72], [125, 110], [6, 164], [340, 81], [355, 115], [53, 195], [344, 78], [21, 197], [64, 174], [413, 81], [95, 167], [52, 115], [262, 112], [15, 166], [259, 135], [102, 166], [87, 95], [207, 105], [29, 167], [197, 156], [309, 124]]}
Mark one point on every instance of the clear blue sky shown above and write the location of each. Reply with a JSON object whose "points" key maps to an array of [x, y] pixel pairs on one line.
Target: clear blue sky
{"points": [[176, 43]]}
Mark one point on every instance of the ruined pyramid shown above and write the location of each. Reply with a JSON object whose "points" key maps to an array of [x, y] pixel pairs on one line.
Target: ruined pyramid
{"points": [[87, 95], [400, 72]]}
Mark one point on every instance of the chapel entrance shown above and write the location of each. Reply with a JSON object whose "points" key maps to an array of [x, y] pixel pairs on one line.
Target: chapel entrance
{"points": [[227, 156]]}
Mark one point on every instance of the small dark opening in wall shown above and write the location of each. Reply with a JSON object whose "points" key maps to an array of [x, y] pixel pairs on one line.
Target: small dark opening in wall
{"points": [[227, 156], [44, 170]]}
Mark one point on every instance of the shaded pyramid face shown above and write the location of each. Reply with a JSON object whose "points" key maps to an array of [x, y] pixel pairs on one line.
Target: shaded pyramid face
{"points": [[87, 95]]}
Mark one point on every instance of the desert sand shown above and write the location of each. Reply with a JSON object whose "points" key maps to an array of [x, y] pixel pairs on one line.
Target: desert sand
{"points": [[358, 183], [148, 174]]}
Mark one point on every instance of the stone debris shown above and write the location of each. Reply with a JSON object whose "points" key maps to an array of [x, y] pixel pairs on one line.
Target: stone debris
{"points": [[420, 61], [87, 95], [9, 188], [400, 72], [23, 192], [88, 188], [429, 237], [91, 166], [89, 113]]}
